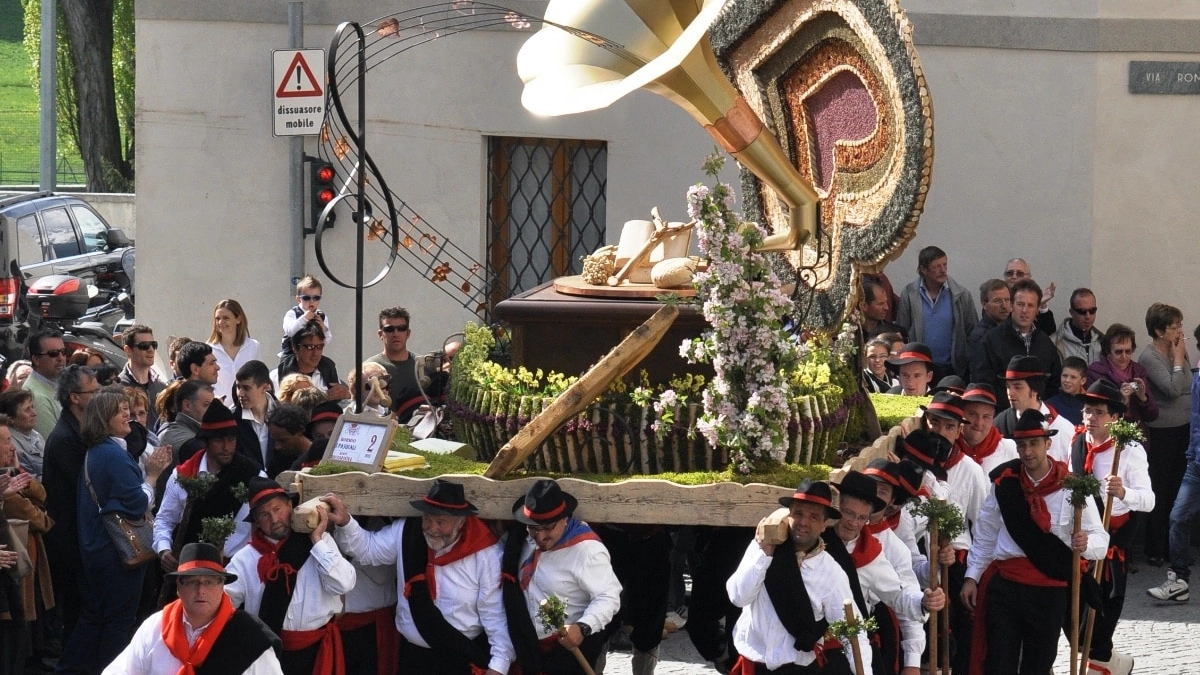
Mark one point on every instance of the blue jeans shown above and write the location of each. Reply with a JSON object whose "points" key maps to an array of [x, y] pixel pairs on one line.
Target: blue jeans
{"points": [[1187, 506]]}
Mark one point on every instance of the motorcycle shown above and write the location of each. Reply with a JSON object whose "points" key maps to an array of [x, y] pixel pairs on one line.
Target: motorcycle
{"points": [[64, 301]]}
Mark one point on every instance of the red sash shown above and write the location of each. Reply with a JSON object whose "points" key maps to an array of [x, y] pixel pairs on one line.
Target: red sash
{"points": [[330, 660], [985, 448], [175, 637], [387, 640]]}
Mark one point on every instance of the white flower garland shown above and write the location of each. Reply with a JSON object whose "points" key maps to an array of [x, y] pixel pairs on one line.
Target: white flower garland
{"points": [[746, 403]]}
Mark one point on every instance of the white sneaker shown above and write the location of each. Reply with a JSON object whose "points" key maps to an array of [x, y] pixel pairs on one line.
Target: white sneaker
{"points": [[1173, 588], [1117, 664], [675, 621]]}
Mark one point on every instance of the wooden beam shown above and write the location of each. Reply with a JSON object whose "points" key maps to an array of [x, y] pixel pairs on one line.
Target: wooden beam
{"points": [[647, 501]]}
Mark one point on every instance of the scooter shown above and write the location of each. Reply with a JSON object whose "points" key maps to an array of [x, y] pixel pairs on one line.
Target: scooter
{"points": [[62, 301]]}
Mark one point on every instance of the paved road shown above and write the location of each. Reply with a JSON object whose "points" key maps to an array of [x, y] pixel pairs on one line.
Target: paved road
{"points": [[1163, 638]]}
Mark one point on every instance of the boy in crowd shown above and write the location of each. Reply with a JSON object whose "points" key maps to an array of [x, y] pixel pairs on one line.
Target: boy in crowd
{"points": [[915, 366], [308, 300], [1067, 401]]}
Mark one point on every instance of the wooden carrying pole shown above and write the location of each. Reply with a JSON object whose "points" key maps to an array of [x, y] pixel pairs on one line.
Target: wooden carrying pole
{"points": [[852, 620], [1078, 525], [1098, 573], [934, 623], [944, 628], [635, 347]]}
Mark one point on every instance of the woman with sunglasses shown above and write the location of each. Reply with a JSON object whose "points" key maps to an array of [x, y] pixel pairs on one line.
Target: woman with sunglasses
{"points": [[1117, 366], [231, 344]]}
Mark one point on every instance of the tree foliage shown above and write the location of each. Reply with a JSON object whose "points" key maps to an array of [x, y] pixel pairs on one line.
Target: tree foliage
{"points": [[95, 84]]}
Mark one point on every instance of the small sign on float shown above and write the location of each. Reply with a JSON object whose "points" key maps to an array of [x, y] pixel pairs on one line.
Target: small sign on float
{"points": [[298, 80]]}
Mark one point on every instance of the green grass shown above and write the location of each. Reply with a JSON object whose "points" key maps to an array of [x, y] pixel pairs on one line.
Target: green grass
{"points": [[19, 131]]}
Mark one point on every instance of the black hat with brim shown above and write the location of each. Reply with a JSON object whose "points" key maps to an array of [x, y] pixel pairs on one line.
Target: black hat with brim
{"points": [[1032, 424], [980, 392], [1024, 368], [913, 352], [927, 450], [861, 486], [263, 490], [544, 502], [1103, 391], [444, 499], [946, 405], [218, 421], [201, 560], [813, 492]]}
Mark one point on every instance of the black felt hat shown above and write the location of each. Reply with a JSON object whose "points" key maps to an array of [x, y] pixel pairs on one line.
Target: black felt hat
{"points": [[980, 392], [444, 499], [861, 486], [544, 502], [201, 560], [1032, 424], [263, 490], [927, 450], [904, 481], [814, 492], [913, 352], [946, 404], [326, 411], [1025, 368], [951, 383], [218, 421], [1104, 391]]}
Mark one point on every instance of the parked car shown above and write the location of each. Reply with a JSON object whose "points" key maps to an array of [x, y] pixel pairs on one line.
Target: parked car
{"points": [[43, 234]]}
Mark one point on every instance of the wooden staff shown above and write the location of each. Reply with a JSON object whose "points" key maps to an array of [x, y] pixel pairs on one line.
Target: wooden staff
{"points": [[1090, 619], [944, 656], [1078, 525], [587, 667], [934, 623], [852, 621]]}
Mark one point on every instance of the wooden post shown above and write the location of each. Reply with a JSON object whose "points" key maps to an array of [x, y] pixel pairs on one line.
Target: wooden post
{"points": [[852, 620], [1098, 572], [944, 642], [580, 395], [1078, 525], [934, 623]]}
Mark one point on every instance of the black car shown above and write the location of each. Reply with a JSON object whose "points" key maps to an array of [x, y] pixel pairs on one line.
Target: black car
{"points": [[43, 234]]}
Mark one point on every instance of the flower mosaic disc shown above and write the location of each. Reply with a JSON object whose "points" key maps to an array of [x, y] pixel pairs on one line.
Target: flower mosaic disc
{"points": [[839, 83]]}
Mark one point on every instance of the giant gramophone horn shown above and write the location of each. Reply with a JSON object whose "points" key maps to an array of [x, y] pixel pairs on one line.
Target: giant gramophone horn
{"points": [[621, 45]]}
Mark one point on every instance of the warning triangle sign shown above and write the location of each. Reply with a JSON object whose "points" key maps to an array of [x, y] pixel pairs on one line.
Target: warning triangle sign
{"points": [[298, 80]]}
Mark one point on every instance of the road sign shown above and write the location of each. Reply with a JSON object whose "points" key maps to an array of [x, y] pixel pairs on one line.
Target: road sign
{"points": [[298, 80]]}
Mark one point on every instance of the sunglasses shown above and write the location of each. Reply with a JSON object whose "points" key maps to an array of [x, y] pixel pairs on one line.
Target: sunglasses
{"points": [[146, 345], [534, 529], [53, 353], [1085, 311], [310, 298], [313, 348], [392, 329]]}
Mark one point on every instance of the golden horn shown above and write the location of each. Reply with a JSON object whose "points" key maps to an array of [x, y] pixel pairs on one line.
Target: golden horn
{"points": [[662, 46]]}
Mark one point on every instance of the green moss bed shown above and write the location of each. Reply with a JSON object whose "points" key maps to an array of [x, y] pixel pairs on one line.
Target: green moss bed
{"points": [[786, 475]]}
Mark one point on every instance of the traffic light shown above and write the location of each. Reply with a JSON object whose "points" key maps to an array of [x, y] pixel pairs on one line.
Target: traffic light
{"points": [[321, 191]]}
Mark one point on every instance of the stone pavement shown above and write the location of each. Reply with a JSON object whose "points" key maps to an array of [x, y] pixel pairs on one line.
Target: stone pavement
{"points": [[1163, 638]]}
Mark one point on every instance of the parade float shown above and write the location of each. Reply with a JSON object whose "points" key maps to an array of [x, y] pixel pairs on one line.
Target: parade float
{"points": [[824, 107]]}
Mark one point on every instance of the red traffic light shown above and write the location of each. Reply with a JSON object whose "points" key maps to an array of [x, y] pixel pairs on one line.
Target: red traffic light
{"points": [[325, 196], [325, 175]]}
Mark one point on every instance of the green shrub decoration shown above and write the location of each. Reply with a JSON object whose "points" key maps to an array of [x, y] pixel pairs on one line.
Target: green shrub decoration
{"points": [[216, 530], [1081, 487], [892, 409], [1124, 431], [553, 613], [847, 629], [947, 517]]}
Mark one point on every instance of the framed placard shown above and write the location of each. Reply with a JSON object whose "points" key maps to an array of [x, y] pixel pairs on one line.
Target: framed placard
{"points": [[361, 441]]}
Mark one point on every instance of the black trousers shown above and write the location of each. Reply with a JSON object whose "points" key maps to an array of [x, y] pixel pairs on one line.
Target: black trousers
{"points": [[642, 562], [362, 653], [1022, 627], [299, 662], [559, 661], [416, 660], [1166, 453], [714, 559], [836, 663]]}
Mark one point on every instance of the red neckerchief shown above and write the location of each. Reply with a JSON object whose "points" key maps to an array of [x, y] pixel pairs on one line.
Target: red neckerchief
{"points": [[985, 448], [1036, 494], [1051, 414], [475, 537], [955, 458], [175, 637], [884, 524], [1093, 450], [575, 532], [269, 566], [191, 468], [866, 549]]}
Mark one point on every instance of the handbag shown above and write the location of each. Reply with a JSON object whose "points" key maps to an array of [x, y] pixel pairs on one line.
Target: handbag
{"points": [[424, 422], [133, 539]]}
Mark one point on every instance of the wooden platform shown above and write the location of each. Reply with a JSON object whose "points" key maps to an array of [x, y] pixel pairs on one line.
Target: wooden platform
{"points": [[575, 285], [631, 501]]}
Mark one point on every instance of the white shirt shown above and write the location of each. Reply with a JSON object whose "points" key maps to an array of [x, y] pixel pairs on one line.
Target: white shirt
{"points": [[1060, 443], [171, 513], [375, 587], [320, 584], [581, 576], [993, 542], [227, 376], [147, 654], [1135, 477], [1006, 451], [759, 636], [912, 629], [468, 590], [968, 488]]}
